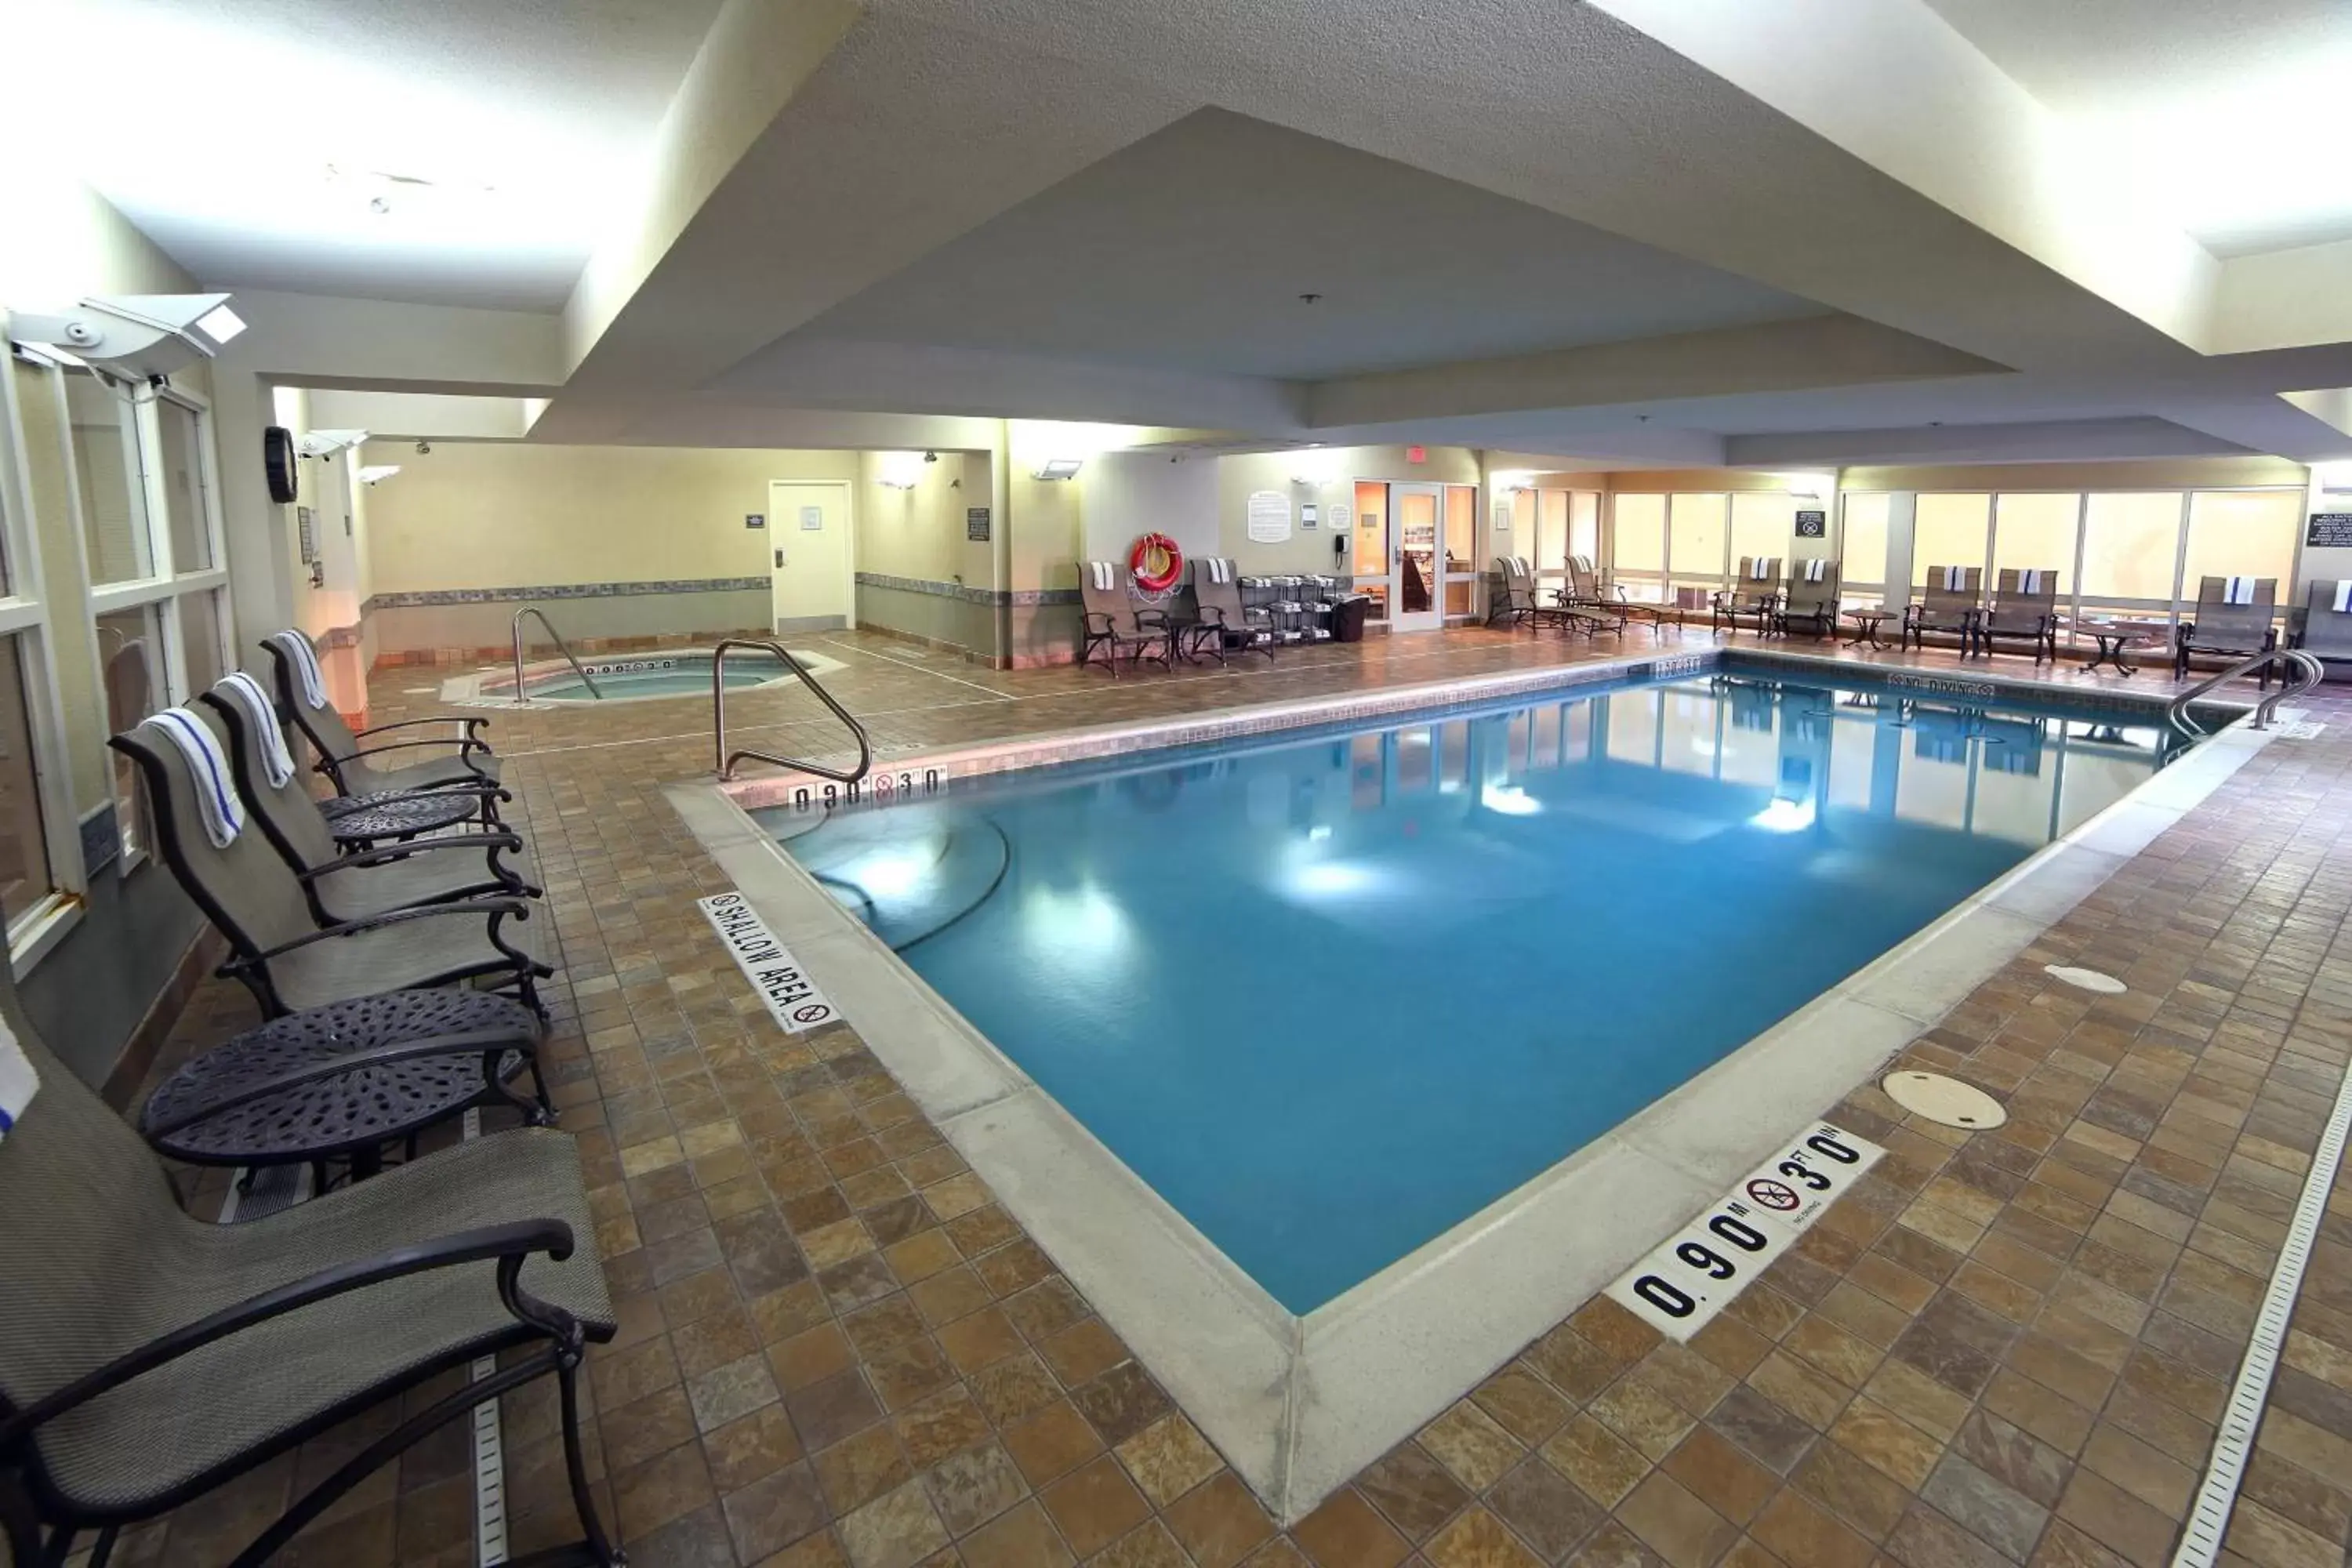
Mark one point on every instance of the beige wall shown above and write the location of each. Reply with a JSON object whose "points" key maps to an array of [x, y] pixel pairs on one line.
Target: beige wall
{"points": [[919, 532], [1331, 473], [482, 515]]}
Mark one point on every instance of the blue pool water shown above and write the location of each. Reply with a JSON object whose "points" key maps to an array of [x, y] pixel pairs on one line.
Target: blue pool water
{"points": [[1330, 995], [680, 678]]}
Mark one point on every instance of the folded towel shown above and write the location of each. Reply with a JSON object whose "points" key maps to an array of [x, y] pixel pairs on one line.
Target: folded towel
{"points": [[1220, 568], [1101, 571], [2029, 581], [254, 702], [306, 673], [1956, 579], [1761, 569], [2238, 590], [1817, 570], [19, 1081], [216, 800], [1581, 563], [2343, 595], [1519, 564]]}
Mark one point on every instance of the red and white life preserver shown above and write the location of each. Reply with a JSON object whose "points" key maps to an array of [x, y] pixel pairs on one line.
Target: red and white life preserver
{"points": [[1155, 563]]}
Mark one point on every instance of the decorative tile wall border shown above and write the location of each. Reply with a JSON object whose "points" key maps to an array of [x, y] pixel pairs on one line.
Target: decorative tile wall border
{"points": [[425, 596], [966, 592]]}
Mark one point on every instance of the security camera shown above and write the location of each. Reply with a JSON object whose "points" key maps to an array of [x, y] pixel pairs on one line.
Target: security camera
{"points": [[144, 336], [930, 456], [424, 449]]}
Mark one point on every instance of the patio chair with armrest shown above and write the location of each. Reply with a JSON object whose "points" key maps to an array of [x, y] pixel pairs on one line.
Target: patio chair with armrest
{"points": [[357, 761], [246, 889], [1951, 604], [1224, 623], [1812, 598], [2233, 620], [343, 886], [1756, 594], [148, 1357], [2327, 631], [2024, 609], [1110, 620]]}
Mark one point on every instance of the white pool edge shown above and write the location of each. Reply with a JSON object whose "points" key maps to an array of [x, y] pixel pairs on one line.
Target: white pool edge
{"points": [[1299, 1404]]}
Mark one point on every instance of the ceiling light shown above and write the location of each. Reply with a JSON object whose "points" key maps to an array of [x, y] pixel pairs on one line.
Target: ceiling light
{"points": [[141, 335], [1059, 468], [327, 443], [376, 473]]}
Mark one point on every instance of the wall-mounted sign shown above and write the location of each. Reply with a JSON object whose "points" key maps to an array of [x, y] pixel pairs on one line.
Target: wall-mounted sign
{"points": [[1306, 515], [305, 524], [1813, 524], [1269, 516], [1502, 517], [755, 520], [812, 519], [975, 524], [2330, 531], [1338, 516]]}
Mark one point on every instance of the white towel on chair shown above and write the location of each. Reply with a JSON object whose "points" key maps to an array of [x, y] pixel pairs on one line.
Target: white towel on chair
{"points": [[19, 1081], [1956, 579], [2238, 590], [312, 679], [246, 693], [1221, 569], [1581, 563], [2343, 595], [1760, 569], [1817, 569], [1519, 567], [209, 779], [1103, 573], [2030, 581]]}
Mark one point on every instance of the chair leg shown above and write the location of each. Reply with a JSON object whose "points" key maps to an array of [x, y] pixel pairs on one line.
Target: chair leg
{"points": [[575, 1464]]}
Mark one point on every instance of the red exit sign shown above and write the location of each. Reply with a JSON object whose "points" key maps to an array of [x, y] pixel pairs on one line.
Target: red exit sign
{"points": [[1416, 454]]}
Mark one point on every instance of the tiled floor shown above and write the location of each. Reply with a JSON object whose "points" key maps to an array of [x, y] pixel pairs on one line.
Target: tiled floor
{"points": [[836, 1349]]}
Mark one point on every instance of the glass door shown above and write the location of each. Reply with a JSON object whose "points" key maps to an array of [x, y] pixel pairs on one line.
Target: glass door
{"points": [[1418, 566], [1372, 567], [1460, 594]]}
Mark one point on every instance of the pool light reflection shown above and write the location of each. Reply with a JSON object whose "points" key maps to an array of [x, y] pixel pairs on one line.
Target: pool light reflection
{"points": [[1784, 816]]}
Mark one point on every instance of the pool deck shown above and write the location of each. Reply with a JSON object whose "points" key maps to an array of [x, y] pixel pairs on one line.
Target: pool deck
{"points": [[838, 1349]]}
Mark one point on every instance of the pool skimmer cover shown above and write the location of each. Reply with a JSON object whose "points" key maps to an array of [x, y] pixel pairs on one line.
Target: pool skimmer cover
{"points": [[1944, 1101]]}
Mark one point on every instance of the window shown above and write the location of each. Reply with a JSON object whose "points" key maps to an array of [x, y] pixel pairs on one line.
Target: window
{"points": [[103, 434], [1552, 530], [1461, 535], [2037, 532], [26, 875], [182, 476], [1584, 524], [1863, 542], [1695, 537], [131, 673], [1763, 522], [1950, 531], [2242, 533], [2131, 540], [1639, 534]]}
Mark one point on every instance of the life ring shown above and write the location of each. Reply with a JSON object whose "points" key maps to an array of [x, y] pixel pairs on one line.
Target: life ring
{"points": [[1155, 563]]}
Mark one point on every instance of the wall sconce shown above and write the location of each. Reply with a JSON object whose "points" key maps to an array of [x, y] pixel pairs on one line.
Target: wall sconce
{"points": [[1059, 468], [376, 473], [136, 335]]}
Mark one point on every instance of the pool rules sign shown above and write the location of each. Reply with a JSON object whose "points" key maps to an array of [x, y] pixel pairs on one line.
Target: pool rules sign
{"points": [[792, 998], [1693, 1275]]}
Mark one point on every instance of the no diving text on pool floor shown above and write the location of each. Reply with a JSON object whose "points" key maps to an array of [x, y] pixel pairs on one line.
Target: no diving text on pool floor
{"points": [[792, 998], [1679, 1287]]}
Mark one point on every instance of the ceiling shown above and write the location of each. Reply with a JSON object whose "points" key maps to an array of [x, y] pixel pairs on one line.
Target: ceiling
{"points": [[1192, 249], [494, 134], [2230, 110]]}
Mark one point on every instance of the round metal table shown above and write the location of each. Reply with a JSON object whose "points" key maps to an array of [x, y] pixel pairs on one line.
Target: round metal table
{"points": [[220, 1109], [2114, 638], [365, 818], [1865, 627]]}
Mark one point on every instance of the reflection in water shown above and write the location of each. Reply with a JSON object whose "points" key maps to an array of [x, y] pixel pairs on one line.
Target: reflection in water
{"points": [[1329, 995]]}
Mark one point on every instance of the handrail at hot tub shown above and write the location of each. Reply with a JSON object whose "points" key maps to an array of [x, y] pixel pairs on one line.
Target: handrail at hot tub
{"points": [[522, 693], [727, 760]]}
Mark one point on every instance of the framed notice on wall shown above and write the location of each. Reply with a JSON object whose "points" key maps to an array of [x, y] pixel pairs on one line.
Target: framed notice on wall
{"points": [[975, 524], [1269, 516], [2329, 530], [305, 524], [1813, 524]]}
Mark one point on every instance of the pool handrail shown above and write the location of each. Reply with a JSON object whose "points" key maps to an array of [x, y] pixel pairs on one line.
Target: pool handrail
{"points": [[521, 692], [727, 760], [2303, 673]]}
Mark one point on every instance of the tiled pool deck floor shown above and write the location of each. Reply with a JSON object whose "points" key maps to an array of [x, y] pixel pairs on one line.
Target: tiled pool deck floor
{"points": [[2005, 1347]]}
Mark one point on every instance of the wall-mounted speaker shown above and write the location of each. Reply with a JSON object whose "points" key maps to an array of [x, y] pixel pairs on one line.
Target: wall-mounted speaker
{"points": [[277, 464]]}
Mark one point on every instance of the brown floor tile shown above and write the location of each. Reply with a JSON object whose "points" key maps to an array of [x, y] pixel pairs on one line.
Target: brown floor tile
{"points": [[1218, 1522], [1095, 1504]]}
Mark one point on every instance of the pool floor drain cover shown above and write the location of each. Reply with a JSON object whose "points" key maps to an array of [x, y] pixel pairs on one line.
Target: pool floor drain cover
{"points": [[2086, 979], [1943, 1099]]}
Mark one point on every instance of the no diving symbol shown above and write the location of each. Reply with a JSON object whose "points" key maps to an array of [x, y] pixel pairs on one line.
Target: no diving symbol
{"points": [[818, 1012], [1772, 1195]]}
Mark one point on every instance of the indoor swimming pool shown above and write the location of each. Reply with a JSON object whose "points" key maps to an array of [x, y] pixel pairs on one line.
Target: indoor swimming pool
{"points": [[1330, 993]]}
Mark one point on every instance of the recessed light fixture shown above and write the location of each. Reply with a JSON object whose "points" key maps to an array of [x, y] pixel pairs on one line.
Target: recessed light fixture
{"points": [[1059, 468]]}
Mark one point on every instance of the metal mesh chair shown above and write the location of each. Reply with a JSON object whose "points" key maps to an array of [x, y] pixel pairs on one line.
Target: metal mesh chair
{"points": [[2326, 630], [147, 1357], [258, 902], [1811, 602], [2231, 630], [344, 887], [1950, 603], [1757, 595], [2024, 609], [1114, 624], [344, 754], [1217, 590]]}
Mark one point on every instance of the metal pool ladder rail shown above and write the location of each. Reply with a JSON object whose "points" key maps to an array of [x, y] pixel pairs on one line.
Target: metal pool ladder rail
{"points": [[521, 695], [727, 760], [2303, 672]]}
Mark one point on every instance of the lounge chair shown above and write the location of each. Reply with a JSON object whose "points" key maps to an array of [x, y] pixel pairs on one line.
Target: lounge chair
{"points": [[2233, 618], [253, 897], [1518, 603], [1113, 622], [340, 886], [1756, 593], [1225, 624], [1588, 589], [345, 753], [1812, 599], [2024, 609], [2327, 625], [1952, 604], [148, 1357]]}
